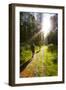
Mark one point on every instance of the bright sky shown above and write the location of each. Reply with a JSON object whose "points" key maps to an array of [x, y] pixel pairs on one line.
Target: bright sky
{"points": [[46, 24]]}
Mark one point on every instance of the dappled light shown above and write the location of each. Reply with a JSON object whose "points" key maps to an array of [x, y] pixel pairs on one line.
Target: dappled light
{"points": [[38, 44]]}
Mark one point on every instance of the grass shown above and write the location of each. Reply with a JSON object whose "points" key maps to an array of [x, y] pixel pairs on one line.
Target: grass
{"points": [[45, 63], [50, 61], [25, 55]]}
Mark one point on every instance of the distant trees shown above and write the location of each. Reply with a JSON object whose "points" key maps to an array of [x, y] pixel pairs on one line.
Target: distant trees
{"points": [[30, 27], [52, 37], [27, 23]]}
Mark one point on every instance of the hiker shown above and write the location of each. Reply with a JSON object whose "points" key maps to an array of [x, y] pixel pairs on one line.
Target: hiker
{"points": [[33, 49]]}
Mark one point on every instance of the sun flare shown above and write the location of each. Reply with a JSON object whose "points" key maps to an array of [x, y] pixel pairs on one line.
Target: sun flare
{"points": [[46, 24]]}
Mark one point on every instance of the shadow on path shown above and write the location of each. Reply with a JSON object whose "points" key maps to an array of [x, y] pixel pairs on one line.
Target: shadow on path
{"points": [[38, 51], [23, 66]]}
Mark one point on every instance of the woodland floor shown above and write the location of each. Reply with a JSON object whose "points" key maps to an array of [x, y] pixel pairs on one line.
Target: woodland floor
{"points": [[41, 64]]}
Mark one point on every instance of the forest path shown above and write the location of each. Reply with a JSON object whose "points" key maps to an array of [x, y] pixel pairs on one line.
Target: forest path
{"points": [[36, 67]]}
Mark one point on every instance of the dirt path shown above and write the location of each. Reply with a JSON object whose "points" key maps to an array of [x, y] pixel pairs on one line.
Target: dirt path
{"points": [[36, 67]]}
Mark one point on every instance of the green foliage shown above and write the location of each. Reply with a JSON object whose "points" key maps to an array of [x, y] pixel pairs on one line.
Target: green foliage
{"points": [[50, 61], [52, 47], [37, 49], [44, 63], [25, 54], [52, 38], [30, 27]]}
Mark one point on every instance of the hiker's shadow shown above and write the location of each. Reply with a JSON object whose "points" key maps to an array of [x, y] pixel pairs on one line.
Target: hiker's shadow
{"points": [[23, 66]]}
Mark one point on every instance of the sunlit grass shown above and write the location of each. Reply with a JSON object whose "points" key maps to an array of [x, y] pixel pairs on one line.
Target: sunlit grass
{"points": [[50, 60], [44, 63], [25, 55]]}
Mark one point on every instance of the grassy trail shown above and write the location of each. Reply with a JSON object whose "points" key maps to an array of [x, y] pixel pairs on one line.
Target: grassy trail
{"points": [[36, 66], [44, 63]]}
